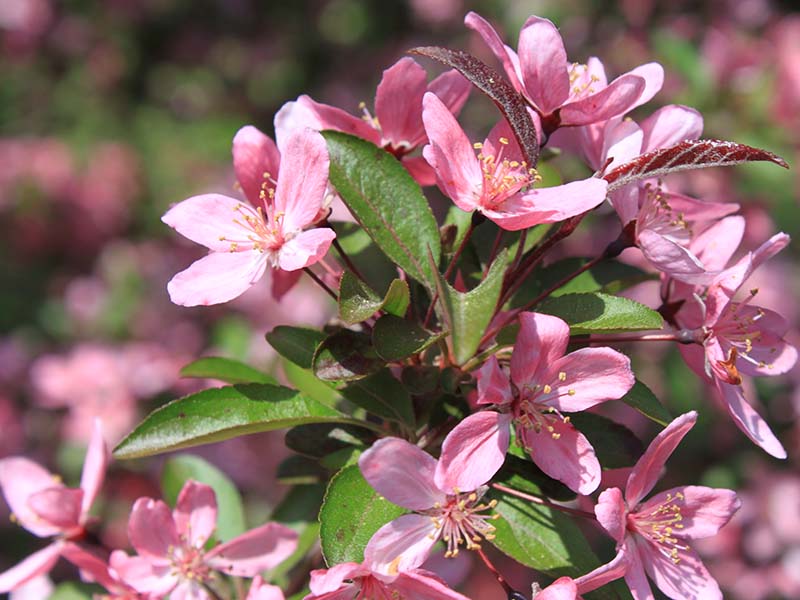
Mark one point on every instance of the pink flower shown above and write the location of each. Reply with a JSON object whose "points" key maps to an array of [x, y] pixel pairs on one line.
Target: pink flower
{"points": [[447, 504], [244, 239], [263, 591], [353, 581], [397, 124], [739, 338], [653, 536], [172, 558], [498, 182], [565, 93], [546, 384], [47, 508]]}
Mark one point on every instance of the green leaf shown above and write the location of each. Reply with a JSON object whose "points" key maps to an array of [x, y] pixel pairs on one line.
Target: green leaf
{"points": [[387, 202], [225, 369], [230, 512], [300, 470], [615, 445], [74, 590], [351, 513], [395, 338], [307, 383], [298, 344], [358, 302], [468, 314], [345, 356], [521, 474], [383, 396], [320, 439], [601, 313], [641, 398], [222, 413], [298, 510]]}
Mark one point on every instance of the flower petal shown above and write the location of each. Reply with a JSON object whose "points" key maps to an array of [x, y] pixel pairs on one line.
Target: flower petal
{"points": [[503, 53], [703, 510], [398, 103], [263, 591], [647, 470], [20, 478], [255, 157], [303, 179], [473, 452], [543, 61], [604, 574], [195, 513], [58, 506], [94, 467], [452, 88], [305, 249], [748, 420], [619, 97], [635, 576], [685, 579], [401, 545], [565, 454], [254, 551], [210, 219], [542, 340], [653, 75], [670, 125], [612, 513], [402, 473], [587, 377], [152, 531], [493, 384], [715, 245], [668, 256], [216, 278], [420, 585], [563, 588], [36, 564], [324, 581]]}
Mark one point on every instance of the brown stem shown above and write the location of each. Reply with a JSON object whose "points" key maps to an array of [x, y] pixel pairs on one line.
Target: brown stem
{"points": [[321, 283], [449, 270], [683, 336], [500, 579], [543, 502]]}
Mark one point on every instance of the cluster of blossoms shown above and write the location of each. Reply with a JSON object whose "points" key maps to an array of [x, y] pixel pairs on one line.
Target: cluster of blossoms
{"points": [[523, 393]]}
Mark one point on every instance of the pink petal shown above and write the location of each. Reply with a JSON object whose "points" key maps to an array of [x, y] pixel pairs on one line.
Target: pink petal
{"points": [[748, 420], [324, 581], [152, 531], [254, 156], [20, 478], [305, 249], [635, 576], [715, 246], [622, 142], [60, 507], [420, 170], [569, 458], [667, 255], [189, 590], [542, 340], [590, 376], [770, 354], [92, 567], [402, 544], [503, 53], [670, 125], [493, 384], [216, 278], [563, 588], [686, 579], [647, 470], [420, 585], [207, 218], [473, 452], [508, 148], [604, 574], [549, 205], [451, 155], [398, 103], [653, 75], [254, 551], [543, 61], [36, 564], [618, 98], [402, 473], [263, 591], [703, 510], [94, 467], [195, 513], [303, 179], [612, 513], [452, 88], [142, 575], [283, 282]]}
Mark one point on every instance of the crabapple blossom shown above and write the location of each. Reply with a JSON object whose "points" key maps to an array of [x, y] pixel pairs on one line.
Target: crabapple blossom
{"points": [[498, 182], [544, 383], [448, 504], [397, 123], [171, 546], [565, 94], [245, 239], [47, 508], [652, 536]]}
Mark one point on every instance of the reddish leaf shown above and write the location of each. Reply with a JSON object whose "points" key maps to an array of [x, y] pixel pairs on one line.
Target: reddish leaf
{"points": [[494, 85], [689, 154]]}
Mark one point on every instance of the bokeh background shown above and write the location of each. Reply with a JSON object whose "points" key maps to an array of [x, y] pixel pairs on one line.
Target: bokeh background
{"points": [[112, 110]]}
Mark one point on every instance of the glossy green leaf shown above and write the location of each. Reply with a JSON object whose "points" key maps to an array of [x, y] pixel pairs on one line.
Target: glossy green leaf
{"points": [[300, 470], [75, 590], [219, 414], [230, 512], [358, 302], [469, 314], [601, 313], [616, 446], [383, 396], [320, 439], [304, 381], [345, 356], [523, 475], [225, 369], [641, 398], [397, 298], [395, 338], [351, 513], [298, 344], [387, 202]]}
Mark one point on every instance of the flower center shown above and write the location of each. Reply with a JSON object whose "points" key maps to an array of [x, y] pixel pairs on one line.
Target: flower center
{"points": [[459, 520], [581, 82], [660, 524], [533, 410], [657, 215], [502, 177], [188, 564]]}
